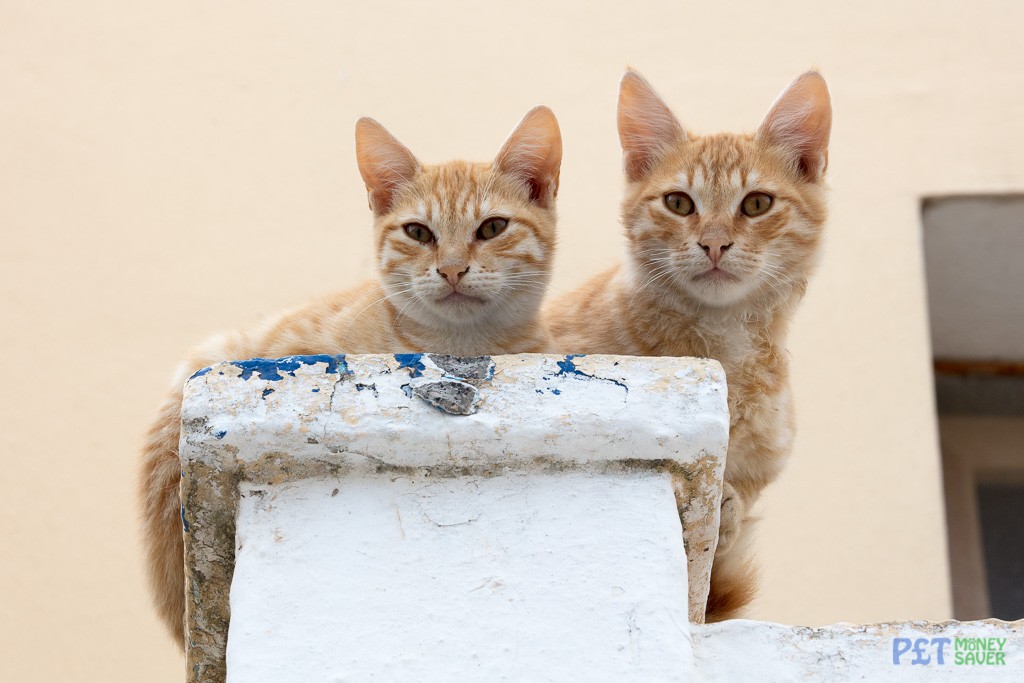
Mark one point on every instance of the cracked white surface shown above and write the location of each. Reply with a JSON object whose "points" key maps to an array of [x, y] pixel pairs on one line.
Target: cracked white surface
{"points": [[537, 539], [607, 409], [526, 576], [572, 472]]}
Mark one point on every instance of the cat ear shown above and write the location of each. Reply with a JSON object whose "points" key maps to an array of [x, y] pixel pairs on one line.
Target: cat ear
{"points": [[799, 122], [533, 153], [647, 127], [384, 162]]}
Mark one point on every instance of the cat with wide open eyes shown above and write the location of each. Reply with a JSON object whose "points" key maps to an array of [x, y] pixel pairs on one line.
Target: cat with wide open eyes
{"points": [[723, 232], [464, 253]]}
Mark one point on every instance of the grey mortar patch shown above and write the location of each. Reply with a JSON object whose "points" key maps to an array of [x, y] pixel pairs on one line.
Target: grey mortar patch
{"points": [[475, 367], [449, 395]]}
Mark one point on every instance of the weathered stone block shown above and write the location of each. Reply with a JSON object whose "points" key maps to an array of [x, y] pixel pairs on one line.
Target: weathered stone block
{"points": [[426, 516]]}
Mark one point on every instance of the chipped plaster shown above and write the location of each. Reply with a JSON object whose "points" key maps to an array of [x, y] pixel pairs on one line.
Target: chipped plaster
{"points": [[659, 424]]}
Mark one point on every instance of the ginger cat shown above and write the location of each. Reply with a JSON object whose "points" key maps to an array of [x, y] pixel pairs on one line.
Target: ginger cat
{"points": [[464, 253], [723, 232]]}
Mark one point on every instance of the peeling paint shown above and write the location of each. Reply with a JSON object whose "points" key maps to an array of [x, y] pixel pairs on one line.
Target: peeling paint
{"points": [[449, 396], [271, 368], [473, 483], [367, 387], [200, 373], [568, 367], [474, 368], [412, 361], [536, 414]]}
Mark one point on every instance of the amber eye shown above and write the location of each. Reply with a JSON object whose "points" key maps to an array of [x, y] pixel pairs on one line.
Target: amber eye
{"points": [[490, 228], [756, 203], [418, 232], [679, 202]]}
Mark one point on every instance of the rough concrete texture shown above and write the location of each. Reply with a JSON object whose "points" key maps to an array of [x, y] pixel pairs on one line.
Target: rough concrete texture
{"points": [[600, 420], [744, 650], [452, 396]]}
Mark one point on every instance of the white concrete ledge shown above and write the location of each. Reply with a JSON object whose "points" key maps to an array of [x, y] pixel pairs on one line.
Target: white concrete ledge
{"points": [[742, 650], [518, 518], [421, 516], [368, 410]]}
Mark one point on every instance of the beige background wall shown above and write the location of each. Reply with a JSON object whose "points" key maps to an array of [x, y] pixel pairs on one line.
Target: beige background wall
{"points": [[167, 169]]}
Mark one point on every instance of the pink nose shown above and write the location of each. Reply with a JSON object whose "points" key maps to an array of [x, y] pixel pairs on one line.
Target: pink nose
{"points": [[453, 274], [714, 247]]}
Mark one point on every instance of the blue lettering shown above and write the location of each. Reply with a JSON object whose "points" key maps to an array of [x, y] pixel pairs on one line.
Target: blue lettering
{"points": [[900, 646], [940, 644], [919, 645]]}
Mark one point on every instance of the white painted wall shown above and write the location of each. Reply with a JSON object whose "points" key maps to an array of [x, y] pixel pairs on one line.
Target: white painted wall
{"points": [[561, 518], [365, 547], [527, 576], [764, 652]]}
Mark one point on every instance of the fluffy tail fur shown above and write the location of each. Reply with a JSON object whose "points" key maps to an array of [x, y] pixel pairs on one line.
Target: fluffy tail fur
{"points": [[161, 516], [733, 587], [734, 575]]}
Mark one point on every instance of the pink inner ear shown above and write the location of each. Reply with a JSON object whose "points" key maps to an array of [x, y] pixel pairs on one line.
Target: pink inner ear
{"points": [[533, 153], [384, 163], [800, 121], [537, 191], [647, 127]]}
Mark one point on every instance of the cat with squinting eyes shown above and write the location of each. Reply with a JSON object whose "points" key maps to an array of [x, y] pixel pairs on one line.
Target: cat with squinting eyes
{"points": [[464, 253], [722, 232]]}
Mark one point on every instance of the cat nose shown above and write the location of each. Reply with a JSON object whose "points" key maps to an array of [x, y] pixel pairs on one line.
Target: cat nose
{"points": [[453, 273], [714, 247]]}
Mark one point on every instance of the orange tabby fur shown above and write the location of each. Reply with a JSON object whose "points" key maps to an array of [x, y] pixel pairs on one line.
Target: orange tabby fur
{"points": [[412, 306], [666, 301]]}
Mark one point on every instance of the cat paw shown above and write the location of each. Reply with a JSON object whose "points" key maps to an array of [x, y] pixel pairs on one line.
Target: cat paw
{"points": [[731, 517]]}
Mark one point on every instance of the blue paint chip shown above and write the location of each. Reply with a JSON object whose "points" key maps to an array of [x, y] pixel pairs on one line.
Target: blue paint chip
{"points": [[413, 361], [184, 522], [567, 367], [200, 373], [556, 392], [220, 433], [316, 390], [267, 392], [271, 368]]}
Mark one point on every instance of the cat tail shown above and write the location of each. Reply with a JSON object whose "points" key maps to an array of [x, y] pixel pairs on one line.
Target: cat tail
{"points": [[735, 578], [159, 481], [162, 537]]}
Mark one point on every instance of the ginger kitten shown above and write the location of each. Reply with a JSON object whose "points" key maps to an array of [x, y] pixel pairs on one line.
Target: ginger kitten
{"points": [[723, 232], [464, 253]]}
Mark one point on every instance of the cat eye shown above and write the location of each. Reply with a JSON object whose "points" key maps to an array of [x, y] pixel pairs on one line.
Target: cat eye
{"points": [[756, 203], [490, 228], [680, 203], [418, 232]]}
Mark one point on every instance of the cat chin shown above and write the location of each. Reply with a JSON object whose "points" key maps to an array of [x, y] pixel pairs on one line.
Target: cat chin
{"points": [[462, 312], [461, 309], [720, 293]]}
